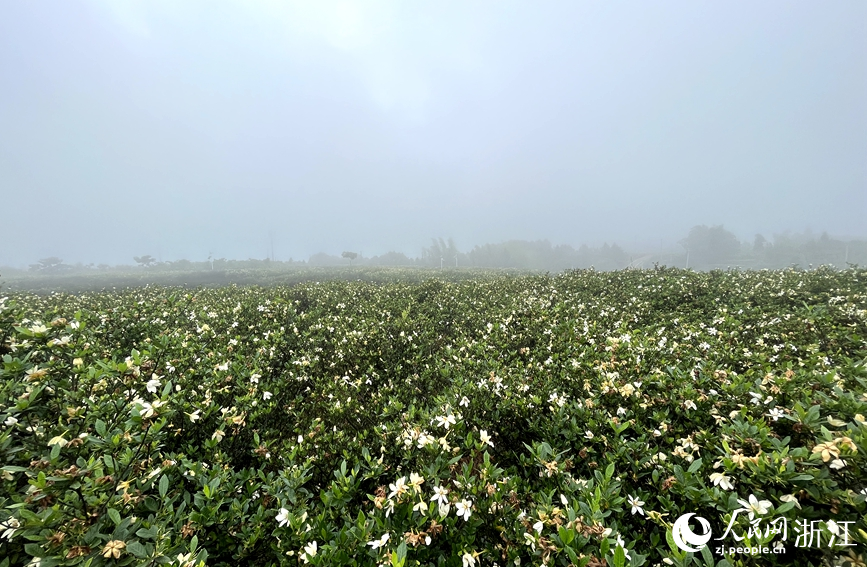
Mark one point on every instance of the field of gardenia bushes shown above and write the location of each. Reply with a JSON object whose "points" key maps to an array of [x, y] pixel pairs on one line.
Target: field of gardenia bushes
{"points": [[500, 420]]}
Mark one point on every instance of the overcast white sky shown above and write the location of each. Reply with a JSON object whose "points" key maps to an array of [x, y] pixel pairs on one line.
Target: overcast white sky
{"points": [[182, 128]]}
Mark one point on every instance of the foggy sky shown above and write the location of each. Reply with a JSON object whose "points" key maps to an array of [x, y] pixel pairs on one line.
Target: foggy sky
{"points": [[179, 129]]}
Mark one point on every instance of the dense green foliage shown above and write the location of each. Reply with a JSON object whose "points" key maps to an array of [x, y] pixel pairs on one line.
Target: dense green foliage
{"points": [[506, 420]]}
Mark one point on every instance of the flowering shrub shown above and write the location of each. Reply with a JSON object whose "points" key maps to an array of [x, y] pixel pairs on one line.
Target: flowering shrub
{"points": [[564, 420]]}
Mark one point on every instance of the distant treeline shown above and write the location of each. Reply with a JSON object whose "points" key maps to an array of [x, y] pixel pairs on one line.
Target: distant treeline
{"points": [[704, 248]]}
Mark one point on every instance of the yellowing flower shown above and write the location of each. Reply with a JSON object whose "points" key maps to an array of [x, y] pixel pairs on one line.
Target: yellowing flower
{"points": [[113, 548], [59, 440], [36, 373], [416, 480], [828, 450]]}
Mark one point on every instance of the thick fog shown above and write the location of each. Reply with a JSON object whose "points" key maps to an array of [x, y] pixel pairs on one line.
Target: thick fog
{"points": [[183, 129]]}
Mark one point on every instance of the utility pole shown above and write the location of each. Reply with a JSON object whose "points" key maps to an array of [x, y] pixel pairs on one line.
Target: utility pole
{"points": [[441, 262], [685, 245]]}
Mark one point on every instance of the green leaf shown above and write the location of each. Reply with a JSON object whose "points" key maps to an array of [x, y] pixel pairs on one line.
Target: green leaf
{"points": [[784, 507], [670, 539], [566, 535], [114, 515], [694, 466], [164, 486], [619, 557], [136, 549], [708, 557], [147, 533], [100, 427]]}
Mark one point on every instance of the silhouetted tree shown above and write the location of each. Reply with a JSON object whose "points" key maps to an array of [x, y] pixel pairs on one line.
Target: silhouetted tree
{"points": [[351, 255], [145, 260], [711, 245], [759, 243]]}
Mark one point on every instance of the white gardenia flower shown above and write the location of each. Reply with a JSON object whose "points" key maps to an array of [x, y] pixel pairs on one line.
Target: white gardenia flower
{"points": [[377, 543], [468, 560], [622, 545], [465, 402], [755, 506], [153, 384], [266, 395], [837, 464], [398, 488], [464, 508], [309, 551], [721, 480], [283, 517], [445, 420], [10, 421], [9, 526], [440, 495], [538, 526], [776, 414], [637, 505], [485, 438]]}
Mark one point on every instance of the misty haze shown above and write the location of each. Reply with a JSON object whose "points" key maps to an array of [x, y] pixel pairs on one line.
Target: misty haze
{"points": [[433, 284], [289, 130]]}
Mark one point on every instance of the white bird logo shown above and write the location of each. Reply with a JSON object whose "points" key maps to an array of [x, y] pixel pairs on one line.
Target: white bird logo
{"points": [[684, 537]]}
